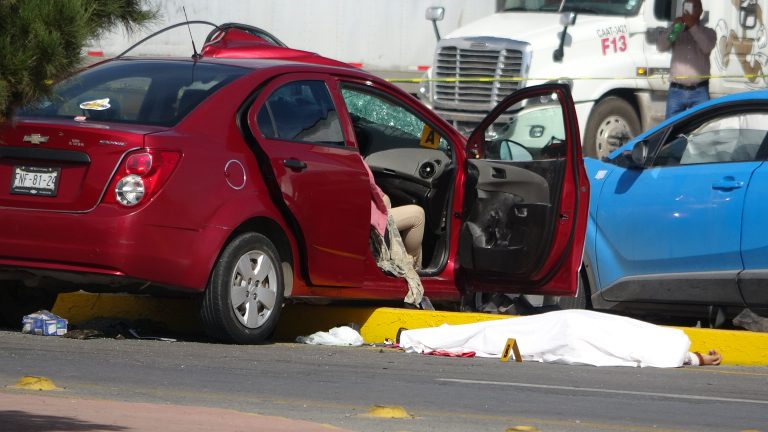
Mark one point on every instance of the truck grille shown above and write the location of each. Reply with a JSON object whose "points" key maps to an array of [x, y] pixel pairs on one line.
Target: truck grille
{"points": [[464, 64]]}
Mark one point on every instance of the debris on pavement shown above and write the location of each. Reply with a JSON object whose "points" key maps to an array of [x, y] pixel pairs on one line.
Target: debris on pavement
{"points": [[751, 321], [111, 328], [44, 323], [448, 353], [337, 336]]}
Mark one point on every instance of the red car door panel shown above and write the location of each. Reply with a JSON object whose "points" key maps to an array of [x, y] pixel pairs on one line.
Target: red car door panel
{"points": [[526, 196], [322, 182]]}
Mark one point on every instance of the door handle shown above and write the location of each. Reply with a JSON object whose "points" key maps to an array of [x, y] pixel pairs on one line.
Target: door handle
{"points": [[727, 184], [498, 173], [295, 164]]}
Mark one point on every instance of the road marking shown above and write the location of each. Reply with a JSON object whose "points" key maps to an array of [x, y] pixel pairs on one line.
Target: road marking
{"points": [[720, 371], [29, 382], [390, 412], [595, 390]]}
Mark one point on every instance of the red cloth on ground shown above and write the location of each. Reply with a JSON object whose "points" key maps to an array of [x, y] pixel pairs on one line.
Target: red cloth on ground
{"points": [[446, 353]]}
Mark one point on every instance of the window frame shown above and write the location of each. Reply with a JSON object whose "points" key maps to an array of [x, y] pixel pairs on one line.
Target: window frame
{"points": [[261, 103], [667, 135], [367, 88]]}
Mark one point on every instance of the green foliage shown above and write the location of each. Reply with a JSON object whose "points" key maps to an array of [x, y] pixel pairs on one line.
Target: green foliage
{"points": [[41, 41]]}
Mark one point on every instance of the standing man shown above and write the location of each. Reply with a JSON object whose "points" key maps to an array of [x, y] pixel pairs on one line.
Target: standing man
{"points": [[691, 43]]}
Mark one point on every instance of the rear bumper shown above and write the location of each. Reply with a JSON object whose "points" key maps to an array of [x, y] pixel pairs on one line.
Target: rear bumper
{"points": [[106, 250]]}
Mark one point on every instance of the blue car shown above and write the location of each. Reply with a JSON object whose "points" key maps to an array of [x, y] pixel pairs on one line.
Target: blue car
{"points": [[678, 218]]}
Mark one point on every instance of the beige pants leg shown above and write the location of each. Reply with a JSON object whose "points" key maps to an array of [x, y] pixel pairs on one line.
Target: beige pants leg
{"points": [[409, 220]]}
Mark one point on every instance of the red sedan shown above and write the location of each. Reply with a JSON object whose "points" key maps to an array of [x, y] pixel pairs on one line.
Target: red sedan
{"points": [[241, 181]]}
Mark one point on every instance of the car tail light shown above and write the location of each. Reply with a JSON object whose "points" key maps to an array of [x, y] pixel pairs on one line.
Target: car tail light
{"points": [[140, 175], [139, 163]]}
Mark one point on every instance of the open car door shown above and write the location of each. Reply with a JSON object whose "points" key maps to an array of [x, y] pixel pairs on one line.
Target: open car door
{"points": [[526, 196]]}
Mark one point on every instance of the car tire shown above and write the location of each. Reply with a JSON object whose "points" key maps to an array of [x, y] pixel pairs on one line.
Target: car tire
{"points": [[612, 123], [244, 297], [578, 302], [17, 300]]}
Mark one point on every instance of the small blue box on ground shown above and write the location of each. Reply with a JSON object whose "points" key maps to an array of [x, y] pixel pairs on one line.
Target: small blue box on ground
{"points": [[44, 323]]}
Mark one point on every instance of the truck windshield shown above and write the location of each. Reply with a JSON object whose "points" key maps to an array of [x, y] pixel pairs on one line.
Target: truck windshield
{"points": [[594, 7]]}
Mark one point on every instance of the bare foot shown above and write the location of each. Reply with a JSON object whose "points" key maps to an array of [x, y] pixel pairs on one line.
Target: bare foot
{"points": [[713, 358]]}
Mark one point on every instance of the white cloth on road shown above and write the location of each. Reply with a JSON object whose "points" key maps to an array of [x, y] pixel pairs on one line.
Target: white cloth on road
{"points": [[337, 336], [565, 337]]}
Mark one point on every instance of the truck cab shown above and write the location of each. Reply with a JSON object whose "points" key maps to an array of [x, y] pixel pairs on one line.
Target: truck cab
{"points": [[606, 51]]}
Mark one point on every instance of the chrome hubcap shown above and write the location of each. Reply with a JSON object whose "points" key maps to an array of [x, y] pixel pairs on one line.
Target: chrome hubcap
{"points": [[253, 289], [612, 134]]}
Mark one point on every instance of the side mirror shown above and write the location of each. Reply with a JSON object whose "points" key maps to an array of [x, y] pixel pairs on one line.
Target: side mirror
{"points": [[435, 13], [567, 18], [638, 156]]}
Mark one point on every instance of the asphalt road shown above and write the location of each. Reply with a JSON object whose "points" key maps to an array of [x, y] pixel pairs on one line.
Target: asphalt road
{"points": [[339, 385]]}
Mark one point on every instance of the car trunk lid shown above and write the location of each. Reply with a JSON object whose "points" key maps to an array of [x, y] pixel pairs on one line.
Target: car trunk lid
{"points": [[60, 165]]}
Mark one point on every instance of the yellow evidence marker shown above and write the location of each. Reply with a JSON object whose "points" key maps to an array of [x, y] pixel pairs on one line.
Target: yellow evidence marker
{"points": [[511, 349]]}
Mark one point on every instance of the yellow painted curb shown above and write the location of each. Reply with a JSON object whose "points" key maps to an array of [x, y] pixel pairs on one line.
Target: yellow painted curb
{"points": [[35, 383], [376, 324], [177, 315], [737, 347]]}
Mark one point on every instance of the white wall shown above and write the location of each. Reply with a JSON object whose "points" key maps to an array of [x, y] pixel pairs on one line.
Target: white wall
{"points": [[380, 34]]}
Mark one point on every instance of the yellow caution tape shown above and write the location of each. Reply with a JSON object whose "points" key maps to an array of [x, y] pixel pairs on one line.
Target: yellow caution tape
{"points": [[502, 79]]}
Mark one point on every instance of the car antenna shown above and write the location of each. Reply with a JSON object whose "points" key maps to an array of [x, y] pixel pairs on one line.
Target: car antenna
{"points": [[195, 54], [170, 27]]}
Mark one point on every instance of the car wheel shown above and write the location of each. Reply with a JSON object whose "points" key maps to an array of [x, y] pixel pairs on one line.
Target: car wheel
{"points": [[612, 123], [244, 297], [17, 300], [578, 302]]}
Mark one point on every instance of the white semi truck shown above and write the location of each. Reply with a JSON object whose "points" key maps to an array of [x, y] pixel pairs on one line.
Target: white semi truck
{"points": [[605, 49], [388, 38]]}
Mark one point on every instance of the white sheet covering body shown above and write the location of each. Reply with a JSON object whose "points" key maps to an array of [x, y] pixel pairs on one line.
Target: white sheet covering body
{"points": [[565, 337]]}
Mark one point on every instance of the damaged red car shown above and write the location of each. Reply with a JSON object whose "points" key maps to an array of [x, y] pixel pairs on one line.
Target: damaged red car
{"points": [[239, 180]]}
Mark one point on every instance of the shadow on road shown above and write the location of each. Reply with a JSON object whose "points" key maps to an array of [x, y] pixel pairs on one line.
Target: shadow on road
{"points": [[23, 421]]}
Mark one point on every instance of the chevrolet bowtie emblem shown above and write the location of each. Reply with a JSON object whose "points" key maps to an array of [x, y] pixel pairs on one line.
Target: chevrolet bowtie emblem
{"points": [[35, 138]]}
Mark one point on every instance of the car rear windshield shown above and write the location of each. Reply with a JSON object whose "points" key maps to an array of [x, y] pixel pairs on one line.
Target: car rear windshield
{"points": [[150, 92]]}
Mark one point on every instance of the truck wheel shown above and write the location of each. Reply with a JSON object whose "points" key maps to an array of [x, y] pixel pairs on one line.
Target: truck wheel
{"points": [[612, 123], [17, 300], [244, 297]]}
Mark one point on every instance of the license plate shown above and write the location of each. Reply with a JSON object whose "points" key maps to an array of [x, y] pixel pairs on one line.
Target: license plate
{"points": [[40, 181]]}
